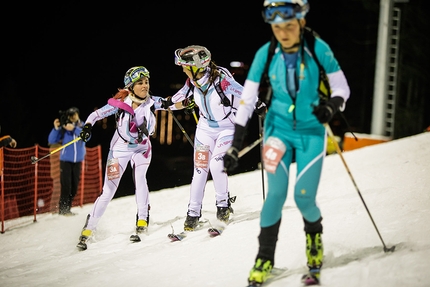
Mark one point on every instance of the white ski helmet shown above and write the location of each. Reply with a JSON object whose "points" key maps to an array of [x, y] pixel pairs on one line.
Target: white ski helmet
{"points": [[193, 56], [279, 11]]}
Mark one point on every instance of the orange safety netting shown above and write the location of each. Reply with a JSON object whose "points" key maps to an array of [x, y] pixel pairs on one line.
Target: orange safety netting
{"points": [[29, 189]]}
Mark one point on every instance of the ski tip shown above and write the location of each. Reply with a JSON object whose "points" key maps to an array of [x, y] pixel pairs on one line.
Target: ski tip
{"points": [[310, 279], [175, 237], [82, 246], [213, 232], [135, 238]]}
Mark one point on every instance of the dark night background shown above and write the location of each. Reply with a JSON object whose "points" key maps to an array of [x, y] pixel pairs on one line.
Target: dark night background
{"points": [[75, 53]]}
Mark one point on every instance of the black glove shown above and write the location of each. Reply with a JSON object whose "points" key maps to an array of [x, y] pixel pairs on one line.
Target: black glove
{"points": [[260, 108], [189, 105], [166, 103], [231, 157], [86, 132], [325, 112]]}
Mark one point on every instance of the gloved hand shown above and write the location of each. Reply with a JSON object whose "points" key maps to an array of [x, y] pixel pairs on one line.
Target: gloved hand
{"points": [[189, 105], [325, 112], [166, 103], [231, 157], [86, 132], [260, 108]]}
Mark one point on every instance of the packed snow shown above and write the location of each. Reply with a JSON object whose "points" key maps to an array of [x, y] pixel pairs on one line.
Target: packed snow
{"points": [[393, 179]]}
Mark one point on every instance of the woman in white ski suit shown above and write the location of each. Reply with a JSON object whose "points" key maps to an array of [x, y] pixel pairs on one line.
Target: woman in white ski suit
{"points": [[215, 128], [133, 108]]}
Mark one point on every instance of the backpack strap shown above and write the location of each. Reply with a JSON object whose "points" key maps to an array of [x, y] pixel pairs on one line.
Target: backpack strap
{"points": [[324, 90], [224, 100], [265, 90], [121, 105]]}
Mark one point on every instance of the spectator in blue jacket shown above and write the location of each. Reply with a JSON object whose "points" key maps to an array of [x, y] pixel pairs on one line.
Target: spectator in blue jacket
{"points": [[67, 128]]}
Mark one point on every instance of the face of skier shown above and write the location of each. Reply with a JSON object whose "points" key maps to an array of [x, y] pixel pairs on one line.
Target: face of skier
{"points": [[141, 88], [288, 34]]}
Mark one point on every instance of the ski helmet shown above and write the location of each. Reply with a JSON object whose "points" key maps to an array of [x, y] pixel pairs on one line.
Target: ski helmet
{"points": [[195, 57], [278, 11], [134, 74]]}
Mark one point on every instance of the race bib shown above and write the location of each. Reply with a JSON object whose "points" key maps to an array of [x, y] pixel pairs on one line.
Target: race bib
{"points": [[273, 151], [112, 168], [202, 156]]}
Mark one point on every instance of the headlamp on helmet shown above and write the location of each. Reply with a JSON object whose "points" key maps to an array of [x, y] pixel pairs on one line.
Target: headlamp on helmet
{"points": [[134, 74], [193, 56], [283, 11]]}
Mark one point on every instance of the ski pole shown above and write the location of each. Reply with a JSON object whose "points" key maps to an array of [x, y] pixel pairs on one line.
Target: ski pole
{"points": [[339, 152], [181, 127], [195, 116], [260, 130], [35, 159], [246, 149]]}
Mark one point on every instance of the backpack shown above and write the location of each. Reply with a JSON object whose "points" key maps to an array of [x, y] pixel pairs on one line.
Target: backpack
{"points": [[324, 91], [224, 100]]}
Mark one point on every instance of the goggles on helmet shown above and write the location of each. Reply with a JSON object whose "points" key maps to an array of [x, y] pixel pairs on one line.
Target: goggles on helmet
{"points": [[192, 57], [134, 75], [285, 11]]}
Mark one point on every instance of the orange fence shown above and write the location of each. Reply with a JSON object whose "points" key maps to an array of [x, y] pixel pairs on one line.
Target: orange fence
{"points": [[29, 189]]}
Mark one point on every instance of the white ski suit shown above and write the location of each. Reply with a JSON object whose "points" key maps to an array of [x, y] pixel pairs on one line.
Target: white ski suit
{"points": [[126, 147], [214, 134]]}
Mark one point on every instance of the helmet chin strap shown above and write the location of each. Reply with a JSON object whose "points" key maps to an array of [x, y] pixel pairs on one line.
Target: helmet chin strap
{"points": [[194, 75]]}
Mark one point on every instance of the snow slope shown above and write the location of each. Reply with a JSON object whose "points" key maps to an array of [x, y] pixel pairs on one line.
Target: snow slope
{"points": [[392, 177]]}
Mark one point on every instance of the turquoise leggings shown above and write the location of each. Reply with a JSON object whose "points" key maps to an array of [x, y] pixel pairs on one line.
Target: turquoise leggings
{"points": [[309, 156]]}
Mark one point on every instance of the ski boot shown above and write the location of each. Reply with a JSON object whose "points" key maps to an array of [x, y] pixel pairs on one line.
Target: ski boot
{"points": [[260, 272], [141, 228], [85, 236], [191, 223], [223, 214], [314, 254]]}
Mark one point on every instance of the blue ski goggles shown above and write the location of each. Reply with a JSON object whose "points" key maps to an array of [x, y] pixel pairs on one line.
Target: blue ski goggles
{"points": [[136, 75], [279, 12]]}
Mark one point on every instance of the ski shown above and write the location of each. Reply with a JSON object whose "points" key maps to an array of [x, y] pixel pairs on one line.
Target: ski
{"points": [[82, 245], [218, 228], [135, 238], [254, 284], [311, 278], [180, 236], [214, 232], [276, 274]]}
